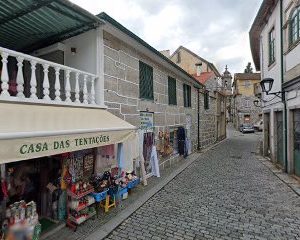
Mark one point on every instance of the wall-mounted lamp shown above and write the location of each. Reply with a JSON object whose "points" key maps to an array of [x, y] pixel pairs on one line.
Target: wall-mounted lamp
{"points": [[266, 86], [73, 51], [256, 103]]}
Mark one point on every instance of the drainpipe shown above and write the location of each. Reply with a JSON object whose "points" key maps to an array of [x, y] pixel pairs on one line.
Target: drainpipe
{"points": [[282, 90], [198, 119]]}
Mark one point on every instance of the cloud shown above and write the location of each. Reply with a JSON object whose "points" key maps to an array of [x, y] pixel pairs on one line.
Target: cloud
{"points": [[217, 30]]}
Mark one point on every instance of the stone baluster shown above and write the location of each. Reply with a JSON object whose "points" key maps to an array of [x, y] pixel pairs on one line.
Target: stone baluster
{"points": [[57, 84], [68, 86], [46, 84], [85, 92], [4, 75], [77, 100], [93, 90], [33, 82], [20, 78]]}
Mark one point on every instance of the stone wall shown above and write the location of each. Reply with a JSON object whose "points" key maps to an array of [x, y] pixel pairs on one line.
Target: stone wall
{"points": [[208, 127], [121, 70], [242, 108]]}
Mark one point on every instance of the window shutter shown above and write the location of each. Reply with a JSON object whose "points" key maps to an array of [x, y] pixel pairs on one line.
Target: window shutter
{"points": [[206, 100], [187, 95], [146, 81], [172, 91]]}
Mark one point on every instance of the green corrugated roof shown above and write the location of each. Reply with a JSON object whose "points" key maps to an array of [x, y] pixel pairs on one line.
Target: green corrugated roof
{"points": [[26, 25]]}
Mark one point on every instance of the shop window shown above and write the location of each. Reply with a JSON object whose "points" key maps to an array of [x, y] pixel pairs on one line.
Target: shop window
{"points": [[272, 46], [146, 81], [187, 98], [172, 91], [206, 100]]}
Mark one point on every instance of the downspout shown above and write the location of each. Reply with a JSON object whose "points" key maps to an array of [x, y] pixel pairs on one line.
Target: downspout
{"points": [[198, 119], [282, 90]]}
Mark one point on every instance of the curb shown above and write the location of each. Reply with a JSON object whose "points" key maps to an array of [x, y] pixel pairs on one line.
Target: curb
{"points": [[287, 179], [108, 227]]}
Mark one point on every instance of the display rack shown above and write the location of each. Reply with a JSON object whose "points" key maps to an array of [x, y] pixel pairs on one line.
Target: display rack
{"points": [[72, 222]]}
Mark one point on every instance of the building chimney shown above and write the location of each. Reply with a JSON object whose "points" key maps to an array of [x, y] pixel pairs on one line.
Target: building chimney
{"points": [[166, 53], [198, 69]]}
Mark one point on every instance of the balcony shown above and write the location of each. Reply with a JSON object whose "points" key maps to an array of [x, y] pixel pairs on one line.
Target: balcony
{"points": [[25, 78]]}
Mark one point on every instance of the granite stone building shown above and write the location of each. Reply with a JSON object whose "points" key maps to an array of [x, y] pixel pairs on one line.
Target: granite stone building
{"points": [[213, 101], [243, 99], [138, 79]]}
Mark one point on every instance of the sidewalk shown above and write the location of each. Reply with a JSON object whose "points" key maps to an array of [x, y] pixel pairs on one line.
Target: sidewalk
{"points": [[105, 223], [100, 227]]}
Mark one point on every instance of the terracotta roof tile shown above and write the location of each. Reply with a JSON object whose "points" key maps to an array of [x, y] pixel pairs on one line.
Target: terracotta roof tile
{"points": [[204, 76]]}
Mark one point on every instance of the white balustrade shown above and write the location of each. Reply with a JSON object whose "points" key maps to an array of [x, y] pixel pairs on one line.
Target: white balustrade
{"points": [[48, 89], [68, 86], [46, 84], [20, 78], [33, 82], [77, 100], [4, 75]]}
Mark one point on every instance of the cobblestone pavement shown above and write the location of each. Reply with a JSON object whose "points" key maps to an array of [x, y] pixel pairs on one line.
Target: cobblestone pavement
{"points": [[226, 194]]}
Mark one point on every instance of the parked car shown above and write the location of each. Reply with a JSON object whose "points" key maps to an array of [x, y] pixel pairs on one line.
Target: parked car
{"points": [[247, 128], [258, 126]]}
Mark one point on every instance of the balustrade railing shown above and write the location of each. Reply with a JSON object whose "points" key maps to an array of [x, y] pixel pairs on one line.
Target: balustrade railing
{"points": [[28, 78]]}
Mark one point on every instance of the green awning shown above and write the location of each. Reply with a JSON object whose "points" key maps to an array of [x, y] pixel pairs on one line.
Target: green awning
{"points": [[27, 25]]}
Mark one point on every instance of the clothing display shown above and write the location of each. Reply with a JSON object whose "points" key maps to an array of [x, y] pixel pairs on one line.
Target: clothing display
{"points": [[154, 162], [131, 153], [181, 140], [105, 158], [147, 149]]}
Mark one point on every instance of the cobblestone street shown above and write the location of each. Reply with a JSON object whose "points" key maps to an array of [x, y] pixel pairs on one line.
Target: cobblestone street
{"points": [[226, 194]]}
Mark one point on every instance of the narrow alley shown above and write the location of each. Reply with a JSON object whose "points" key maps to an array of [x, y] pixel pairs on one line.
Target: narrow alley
{"points": [[226, 194]]}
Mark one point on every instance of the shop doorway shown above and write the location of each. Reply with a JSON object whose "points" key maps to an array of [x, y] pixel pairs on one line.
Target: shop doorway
{"points": [[279, 138], [31, 180], [296, 121]]}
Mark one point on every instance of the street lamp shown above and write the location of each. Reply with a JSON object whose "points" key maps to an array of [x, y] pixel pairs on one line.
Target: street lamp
{"points": [[266, 86], [256, 103]]}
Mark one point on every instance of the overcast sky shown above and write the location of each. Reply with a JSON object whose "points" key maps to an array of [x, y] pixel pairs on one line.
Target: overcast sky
{"points": [[216, 30]]}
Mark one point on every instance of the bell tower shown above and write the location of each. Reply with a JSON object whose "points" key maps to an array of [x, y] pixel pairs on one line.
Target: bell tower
{"points": [[226, 80]]}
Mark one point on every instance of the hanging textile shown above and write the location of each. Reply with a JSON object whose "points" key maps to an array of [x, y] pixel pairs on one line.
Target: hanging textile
{"points": [[154, 162], [181, 140], [147, 149], [141, 159], [120, 156], [131, 153], [104, 161]]}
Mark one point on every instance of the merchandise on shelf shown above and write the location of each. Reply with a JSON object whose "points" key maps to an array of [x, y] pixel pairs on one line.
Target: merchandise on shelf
{"points": [[21, 220]]}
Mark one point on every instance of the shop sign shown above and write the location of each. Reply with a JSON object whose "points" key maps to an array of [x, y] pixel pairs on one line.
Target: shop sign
{"points": [[27, 148], [147, 123], [63, 144]]}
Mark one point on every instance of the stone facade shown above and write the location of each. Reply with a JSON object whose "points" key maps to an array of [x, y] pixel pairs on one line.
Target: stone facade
{"points": [[212, 121], [208, 119], [121, 71], [245, 109], [243, 91]]}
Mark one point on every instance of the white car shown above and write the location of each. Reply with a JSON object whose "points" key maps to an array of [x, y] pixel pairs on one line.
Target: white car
{"points": [[259, 126]]}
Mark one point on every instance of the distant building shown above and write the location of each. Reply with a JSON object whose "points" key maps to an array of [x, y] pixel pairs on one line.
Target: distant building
{"points": [[213, 115], [243, 99]]}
